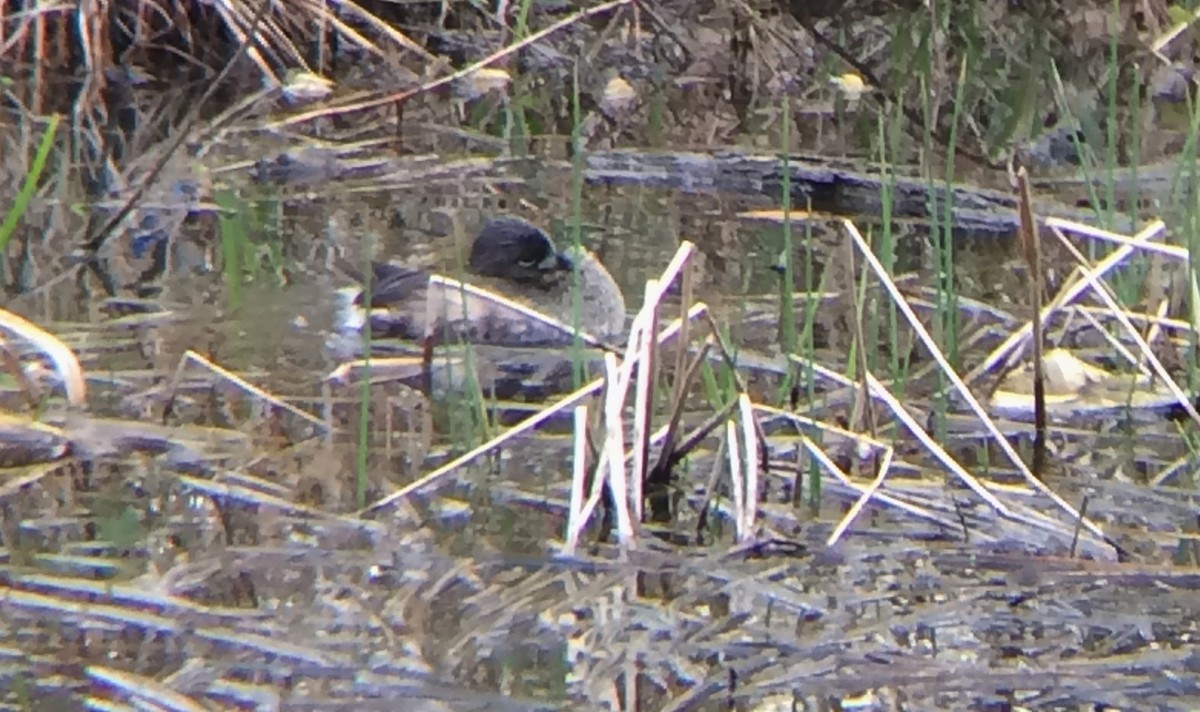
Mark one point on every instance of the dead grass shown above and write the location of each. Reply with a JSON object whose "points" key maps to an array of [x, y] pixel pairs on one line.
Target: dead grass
{"points": [[913, 513], [236, 569]]}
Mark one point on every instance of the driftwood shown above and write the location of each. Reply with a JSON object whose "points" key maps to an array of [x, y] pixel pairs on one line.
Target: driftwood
{"points": [[827, 185], [837, 186]]}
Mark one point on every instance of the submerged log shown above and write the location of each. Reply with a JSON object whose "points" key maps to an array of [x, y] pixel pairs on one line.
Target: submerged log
{"points": [[827, 185]]}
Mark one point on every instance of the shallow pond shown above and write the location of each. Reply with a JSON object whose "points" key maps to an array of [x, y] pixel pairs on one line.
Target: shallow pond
{"points": [[207, 538]]}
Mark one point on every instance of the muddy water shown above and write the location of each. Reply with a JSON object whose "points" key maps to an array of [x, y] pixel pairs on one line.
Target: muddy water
{"points": [[634, 232], [274, 330], [454, 595]]}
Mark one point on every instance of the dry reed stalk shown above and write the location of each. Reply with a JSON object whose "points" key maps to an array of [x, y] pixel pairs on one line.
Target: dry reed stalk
{"points": [[669, 453], [39, 70], [492, 58], [623, 375], [749, 512], [964, 392], [11, 365], [614, 448], [1115, 310], [529, 424], [1016, 513], [828, 465], [70, 371], [444, 291], [94, 242], [1113, 342], [1142, 244], [1155, 330], [258, 492], [139, 604], [880, 391], [685, 373], [734, 452], [611, 464], [862, 402], [885, 465], [640, 351], [579, 452], [1071, 291], [731, 362], [864, 444], [249, 31], [138, 690], [380, 368], [642, 404], [190, 356], [693, 439]]}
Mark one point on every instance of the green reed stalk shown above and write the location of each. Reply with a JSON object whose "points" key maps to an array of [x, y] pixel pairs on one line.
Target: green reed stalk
{"points": [[578, 367], [889, 133], [364, 387], [468, 411], [787, 285], [1190, 220], [521, 25], [240, 220], [517, 133], [483, 424], [983, 458], [950, 305], [1111, 139], [235, 244], [812, 300], [720, 386], [942, 226], [1185, 175], [656, 125], [29, 186], [1128, 282], [466, 406], [1086, 158], [1136, 116], [712, 389], [868, 343], [808, 349], [475, 420], [516, 121]]}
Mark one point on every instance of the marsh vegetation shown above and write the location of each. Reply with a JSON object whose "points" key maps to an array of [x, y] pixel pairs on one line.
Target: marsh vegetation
{"points": [[819, 468]]}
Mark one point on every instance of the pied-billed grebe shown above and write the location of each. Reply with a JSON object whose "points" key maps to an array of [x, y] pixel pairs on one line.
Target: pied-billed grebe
{"points": [[512, 258]]}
